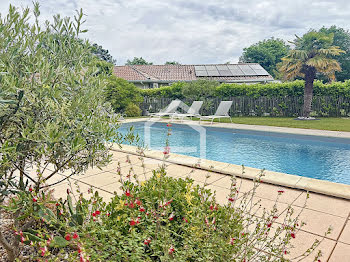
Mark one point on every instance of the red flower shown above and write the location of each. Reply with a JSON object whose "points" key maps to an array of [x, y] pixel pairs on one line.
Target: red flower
{"points": [[231, 199], [131, 205], [171, 217], [142, 209], [108, 214], [75, 235], [94, 214], [275, 217], [57, 204], [216, 207], [232, 241], [292, 235], [138, 202], [168, 125], [127, 193], [214, 221], [211, 207], [184, 219], [68, 191], [171, 250], [35, 200], [67, 237], [147, 241], [285, 252], [30, 189], [132, 222], [269, 225], [280, 191], [98, 212]]}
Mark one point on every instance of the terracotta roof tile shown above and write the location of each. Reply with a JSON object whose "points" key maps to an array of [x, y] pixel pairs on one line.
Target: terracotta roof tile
{"points": [[172, 73]]}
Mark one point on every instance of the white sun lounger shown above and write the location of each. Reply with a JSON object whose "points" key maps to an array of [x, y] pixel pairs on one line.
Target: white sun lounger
{"points": [[221, 112], [169, 110], [193, 111]]}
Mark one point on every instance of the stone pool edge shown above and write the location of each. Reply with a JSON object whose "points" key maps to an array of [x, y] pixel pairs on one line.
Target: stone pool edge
{"points": [[276, 178]]}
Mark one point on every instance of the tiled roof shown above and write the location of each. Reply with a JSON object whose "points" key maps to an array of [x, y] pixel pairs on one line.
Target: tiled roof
{"points": [[160, 73]]}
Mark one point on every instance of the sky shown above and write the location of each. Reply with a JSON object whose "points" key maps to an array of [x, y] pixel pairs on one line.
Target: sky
{"points": [[192, 31]]}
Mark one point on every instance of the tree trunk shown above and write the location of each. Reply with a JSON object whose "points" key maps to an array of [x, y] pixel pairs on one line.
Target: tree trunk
{"points": [[310, 75]]}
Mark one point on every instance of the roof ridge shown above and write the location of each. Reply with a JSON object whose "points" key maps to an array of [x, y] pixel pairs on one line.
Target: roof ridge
{"points": [[144, 74]]}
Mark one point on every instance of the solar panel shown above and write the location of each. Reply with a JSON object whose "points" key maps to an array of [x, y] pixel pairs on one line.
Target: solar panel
{"points": [[235, 70], [213, 73], [225, 72], [199, 68], [201, 73], [247, 70], [255, 66], [222, 67], [210, 67]]}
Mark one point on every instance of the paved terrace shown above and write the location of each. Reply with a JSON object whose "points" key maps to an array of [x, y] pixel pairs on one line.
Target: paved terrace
{"points": [[320, 213]]}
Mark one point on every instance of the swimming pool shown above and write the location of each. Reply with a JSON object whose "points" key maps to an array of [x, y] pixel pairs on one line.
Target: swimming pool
{"points": [[309, 156]]}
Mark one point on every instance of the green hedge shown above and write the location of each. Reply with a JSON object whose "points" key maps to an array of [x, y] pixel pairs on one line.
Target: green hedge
{"points": [[295, 89]]}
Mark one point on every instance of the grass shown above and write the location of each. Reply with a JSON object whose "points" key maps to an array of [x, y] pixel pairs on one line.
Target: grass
{"points": [[329, 123], [325, 123]]}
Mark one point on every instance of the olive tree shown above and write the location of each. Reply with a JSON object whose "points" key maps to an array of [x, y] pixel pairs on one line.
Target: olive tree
{"points": [[54, 122]]}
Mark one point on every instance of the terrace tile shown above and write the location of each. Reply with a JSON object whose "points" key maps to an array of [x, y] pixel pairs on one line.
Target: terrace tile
{"points": [[325, 204], [340, 253], [317, 222], [345, 235], [303, 241]]}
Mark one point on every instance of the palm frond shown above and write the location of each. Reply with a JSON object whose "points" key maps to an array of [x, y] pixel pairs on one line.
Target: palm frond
{"points": [[331, 51]]}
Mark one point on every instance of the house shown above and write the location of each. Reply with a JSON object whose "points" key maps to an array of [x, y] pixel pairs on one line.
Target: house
{"points": [[152, 76]]}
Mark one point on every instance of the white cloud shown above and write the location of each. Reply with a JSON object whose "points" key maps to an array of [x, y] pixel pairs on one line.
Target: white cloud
{"points": [[193, 31]]}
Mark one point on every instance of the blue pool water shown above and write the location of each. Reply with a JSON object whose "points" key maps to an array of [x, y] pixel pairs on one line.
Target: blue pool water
{"points": [[309, 156]]}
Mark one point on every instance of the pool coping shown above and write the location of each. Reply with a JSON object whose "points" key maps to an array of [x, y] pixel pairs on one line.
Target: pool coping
{"points": [[273, 129], [276, 178]]}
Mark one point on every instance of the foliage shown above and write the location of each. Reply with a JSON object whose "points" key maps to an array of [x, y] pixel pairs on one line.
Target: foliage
{"points": [[102, 54], [120, 93], [138, 61], [294, 88], [313, 53], [342, 40], [268, 53], [132, 110], [199, 90], [162, 219], [172, 63], [53, 116]]}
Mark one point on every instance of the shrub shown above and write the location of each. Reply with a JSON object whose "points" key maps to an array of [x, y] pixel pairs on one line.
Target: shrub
{"points": [[162, 219], [120, 93], [132, 110], [199, 90]]}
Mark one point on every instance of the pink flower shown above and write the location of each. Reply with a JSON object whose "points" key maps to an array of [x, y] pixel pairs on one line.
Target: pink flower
{"points": [[138, 202], [131, 205], [108, 214], [184, 219], [142, 209], [171, 250], [214, 221], [35, 200], [67, 237], [43, 251]]}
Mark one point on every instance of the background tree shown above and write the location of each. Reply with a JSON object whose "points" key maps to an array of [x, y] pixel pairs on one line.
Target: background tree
{"points": [[102, 53], [314, 52], [341, 39], [138, 61], [121, 94], [172, 63], [268, 53]]}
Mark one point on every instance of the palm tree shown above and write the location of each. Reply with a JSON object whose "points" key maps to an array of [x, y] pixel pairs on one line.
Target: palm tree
{"points": [[313, 53]]}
